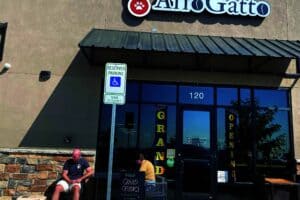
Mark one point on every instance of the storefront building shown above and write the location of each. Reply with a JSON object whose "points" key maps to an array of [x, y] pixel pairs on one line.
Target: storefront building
{"points": [[212, 90]]}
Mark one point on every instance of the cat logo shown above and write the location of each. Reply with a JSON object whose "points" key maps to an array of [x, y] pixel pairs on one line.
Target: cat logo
{"points": [[139, 8]]}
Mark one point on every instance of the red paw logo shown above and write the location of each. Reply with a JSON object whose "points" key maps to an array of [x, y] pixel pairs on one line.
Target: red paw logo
{"points": [[139, 8]]}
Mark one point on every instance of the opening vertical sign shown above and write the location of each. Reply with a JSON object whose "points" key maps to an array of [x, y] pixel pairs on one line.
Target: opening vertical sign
{"points": [[115, 83]]}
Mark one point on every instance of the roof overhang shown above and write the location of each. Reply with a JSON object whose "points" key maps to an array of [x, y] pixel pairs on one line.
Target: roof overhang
{"points": [[100, 46]]}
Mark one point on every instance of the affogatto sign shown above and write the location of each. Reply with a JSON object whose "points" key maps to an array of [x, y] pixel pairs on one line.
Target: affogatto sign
{"points": [[141, 8]]}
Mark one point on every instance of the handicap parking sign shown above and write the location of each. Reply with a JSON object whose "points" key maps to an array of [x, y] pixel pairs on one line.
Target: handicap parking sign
{"points": [[115, 81]]}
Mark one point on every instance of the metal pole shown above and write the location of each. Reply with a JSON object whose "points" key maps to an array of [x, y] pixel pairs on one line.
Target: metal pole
{"points": [[111, 151]]}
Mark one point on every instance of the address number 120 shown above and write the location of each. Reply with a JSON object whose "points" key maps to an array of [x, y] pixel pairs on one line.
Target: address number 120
{"points": [[196, 95]]}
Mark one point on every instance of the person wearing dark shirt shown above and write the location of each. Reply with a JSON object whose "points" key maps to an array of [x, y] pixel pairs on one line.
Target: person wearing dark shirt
{"points": [[75, 170]]}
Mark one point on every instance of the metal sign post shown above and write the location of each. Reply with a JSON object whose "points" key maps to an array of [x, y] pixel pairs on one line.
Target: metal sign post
{"points": [[114, 93], [111, 150]]}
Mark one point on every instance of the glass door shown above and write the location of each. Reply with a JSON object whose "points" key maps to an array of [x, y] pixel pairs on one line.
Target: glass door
{"points": [[195, 154]]}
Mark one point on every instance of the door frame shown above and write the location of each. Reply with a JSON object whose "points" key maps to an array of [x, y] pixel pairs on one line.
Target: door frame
{"points": [[213, 145]]}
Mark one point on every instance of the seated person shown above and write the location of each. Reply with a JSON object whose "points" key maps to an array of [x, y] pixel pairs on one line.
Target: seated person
{"points": [[147, 167], [75, 170]]}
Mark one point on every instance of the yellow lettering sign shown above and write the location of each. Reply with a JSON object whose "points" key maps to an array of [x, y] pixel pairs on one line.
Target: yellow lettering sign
{"points": [[231, 145], [161, 115], [233, 174], [231, 135], [160, 143], [160, 156], [159, 170], [231, 117], [232, 163], [231, 126], [160, 128]]}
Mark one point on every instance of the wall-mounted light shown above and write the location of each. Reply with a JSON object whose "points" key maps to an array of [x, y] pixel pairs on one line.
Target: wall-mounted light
{"points": [[5, 68], [154, 30], [44, 75], [67, 139]]}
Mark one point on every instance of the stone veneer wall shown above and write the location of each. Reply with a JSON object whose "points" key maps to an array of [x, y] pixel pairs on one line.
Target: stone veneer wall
{"points": [[32, 171]]}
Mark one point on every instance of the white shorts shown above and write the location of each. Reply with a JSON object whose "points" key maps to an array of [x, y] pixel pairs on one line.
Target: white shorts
{"points": [[67, 187]]}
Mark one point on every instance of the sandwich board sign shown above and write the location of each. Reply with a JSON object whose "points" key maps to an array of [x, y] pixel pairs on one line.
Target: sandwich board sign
{"points": [[115, 83]]}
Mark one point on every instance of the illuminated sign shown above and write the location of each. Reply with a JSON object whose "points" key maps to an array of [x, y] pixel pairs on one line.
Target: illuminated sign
{"points": [[141, 8], [160, 139], [231, 124]]}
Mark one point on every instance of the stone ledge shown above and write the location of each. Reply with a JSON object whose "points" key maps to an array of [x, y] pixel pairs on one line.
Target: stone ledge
{"points": [[32, 197], [5, 198], [45, 151]]}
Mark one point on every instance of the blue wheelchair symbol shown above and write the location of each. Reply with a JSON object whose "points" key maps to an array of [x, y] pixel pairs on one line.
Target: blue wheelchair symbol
{"points": [[115, 81]]}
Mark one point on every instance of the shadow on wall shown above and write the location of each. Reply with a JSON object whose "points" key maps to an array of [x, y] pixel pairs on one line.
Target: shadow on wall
{"points": [[202, 18], [70, 116]]}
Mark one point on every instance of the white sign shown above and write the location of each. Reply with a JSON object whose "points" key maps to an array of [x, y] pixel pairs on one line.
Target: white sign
{"points": [[170, 153], [141, 8], [115, 83], [222, 176]]}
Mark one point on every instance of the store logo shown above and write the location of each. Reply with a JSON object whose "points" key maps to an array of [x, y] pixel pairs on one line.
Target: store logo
{"points": [[141, 8]]}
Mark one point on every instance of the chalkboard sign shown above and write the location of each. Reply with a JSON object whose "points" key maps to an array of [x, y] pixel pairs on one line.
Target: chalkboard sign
{"points": [[132, 185]]}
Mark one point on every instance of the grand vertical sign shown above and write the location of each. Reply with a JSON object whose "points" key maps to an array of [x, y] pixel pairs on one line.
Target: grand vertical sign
{"points": [[141, 8], [160, 139]]}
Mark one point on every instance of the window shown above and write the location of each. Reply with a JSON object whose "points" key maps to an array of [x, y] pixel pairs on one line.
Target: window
{"points": [[159, 93], [135, 124], [226, 96], [147, 125], [245, 94], [234, 144], [271, 98], [132, 91], [125, 136], [147, 128], [273, 142], [272, 132], [252, 129], [261, 134], [196, 95]]}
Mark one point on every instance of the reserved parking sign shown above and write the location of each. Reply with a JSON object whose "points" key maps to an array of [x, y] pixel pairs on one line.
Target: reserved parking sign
{"points": [[115, 83]]}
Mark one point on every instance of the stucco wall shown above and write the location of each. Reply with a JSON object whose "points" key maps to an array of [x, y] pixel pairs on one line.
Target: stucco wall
{"points": [[296, 118], [293, 19], [44, 35]]}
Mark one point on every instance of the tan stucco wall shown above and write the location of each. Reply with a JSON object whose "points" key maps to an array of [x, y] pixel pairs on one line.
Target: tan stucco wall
{"points": [[274, 26], [293, 19], [44, 35], [296, 118]]}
